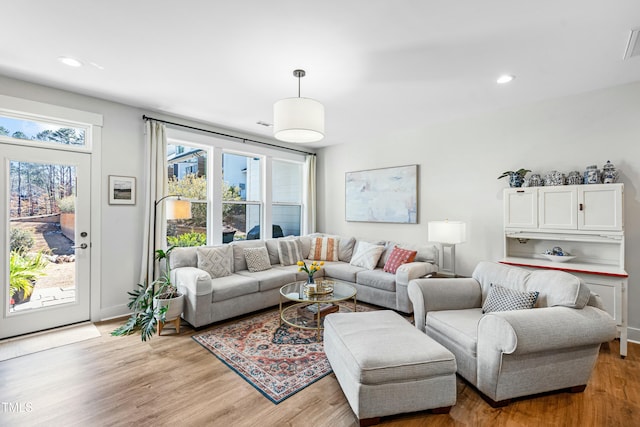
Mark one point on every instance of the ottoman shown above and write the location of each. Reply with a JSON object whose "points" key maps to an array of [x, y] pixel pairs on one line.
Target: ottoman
{"points": [[386, 366]]}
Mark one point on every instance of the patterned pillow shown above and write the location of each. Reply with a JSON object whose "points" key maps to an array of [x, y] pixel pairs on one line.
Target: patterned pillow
{"points": [[366, 255], [257, 259], [217, 261], [398, 257], [289, 251], [324, 249], [505, 299]]}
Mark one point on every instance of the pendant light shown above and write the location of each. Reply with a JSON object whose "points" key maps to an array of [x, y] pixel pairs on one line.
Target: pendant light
{"points": [[298, 119]]}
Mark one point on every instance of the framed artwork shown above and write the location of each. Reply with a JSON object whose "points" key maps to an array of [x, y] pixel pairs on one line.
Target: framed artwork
{"points": [[382, 195], [122, 190]]}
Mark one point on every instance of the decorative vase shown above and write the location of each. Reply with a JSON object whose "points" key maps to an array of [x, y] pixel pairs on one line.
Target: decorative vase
{"points": [[592, 175], [310, 279], [574, 178], [609, 173], [515, 180]]}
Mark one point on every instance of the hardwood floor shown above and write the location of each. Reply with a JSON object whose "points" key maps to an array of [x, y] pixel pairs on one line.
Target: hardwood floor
{"points": [[172, 380]]}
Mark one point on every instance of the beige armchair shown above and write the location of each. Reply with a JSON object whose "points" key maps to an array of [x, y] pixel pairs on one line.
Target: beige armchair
{"points": [[509, 354]]}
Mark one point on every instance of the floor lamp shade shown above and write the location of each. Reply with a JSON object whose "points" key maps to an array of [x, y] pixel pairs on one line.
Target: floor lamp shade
{"points": [[178, 209], [298, 120]]}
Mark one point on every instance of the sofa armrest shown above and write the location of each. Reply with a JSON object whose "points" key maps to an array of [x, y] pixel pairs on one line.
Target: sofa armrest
{"points": [[413, 270], [191, 281], [543, 329], [442, 294]]}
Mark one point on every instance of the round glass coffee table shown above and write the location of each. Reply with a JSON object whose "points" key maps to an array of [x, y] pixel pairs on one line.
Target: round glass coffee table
{"points": [[311, 307]]}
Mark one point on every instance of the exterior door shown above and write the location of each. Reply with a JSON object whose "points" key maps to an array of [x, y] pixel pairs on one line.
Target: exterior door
{"points": [[45, 246]]}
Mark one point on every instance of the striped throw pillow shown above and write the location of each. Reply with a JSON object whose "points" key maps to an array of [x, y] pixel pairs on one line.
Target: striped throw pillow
{"points": [[289, 251], [366, 255], [324, 249]]}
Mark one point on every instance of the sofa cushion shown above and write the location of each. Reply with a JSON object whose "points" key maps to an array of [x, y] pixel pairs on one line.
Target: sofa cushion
{"points": [[257, 259], [289, 251], [378, 279], [216, 260], [183, 257], [324, 249], [505, 299], [270, 279], [459, 326], [558, 288], [272, 249], [366, 255], [398, 257], [232, 286], [239, 261], [341, 271]]}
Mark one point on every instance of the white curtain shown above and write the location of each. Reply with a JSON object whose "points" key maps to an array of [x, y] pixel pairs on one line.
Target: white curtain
{"points": [[311, 193], [155, 189]]}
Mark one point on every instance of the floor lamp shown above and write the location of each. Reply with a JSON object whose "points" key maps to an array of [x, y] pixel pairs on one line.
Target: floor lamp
{"points": [[448, 233], [176, 208]]}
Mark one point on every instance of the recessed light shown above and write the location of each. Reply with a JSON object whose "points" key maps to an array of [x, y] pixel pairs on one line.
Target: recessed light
{"points": [[71, 62], [505, 78]]}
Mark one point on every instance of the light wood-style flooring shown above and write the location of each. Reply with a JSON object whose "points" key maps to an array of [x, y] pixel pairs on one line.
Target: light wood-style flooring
{"points": [[172, 380]]}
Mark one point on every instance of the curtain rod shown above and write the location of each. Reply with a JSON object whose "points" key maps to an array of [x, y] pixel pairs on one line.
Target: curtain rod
{"points": [[244, 140]]}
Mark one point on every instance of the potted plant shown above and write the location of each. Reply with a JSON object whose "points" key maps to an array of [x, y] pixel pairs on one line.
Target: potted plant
{"points": [[310, 270], [24, 269], [152, 304], [516, 178]]}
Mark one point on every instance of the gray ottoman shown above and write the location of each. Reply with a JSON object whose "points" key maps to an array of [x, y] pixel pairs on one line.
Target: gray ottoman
{"points": [[386, 366]]}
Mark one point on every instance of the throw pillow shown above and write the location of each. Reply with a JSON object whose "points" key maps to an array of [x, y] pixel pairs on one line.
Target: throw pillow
{"points": [[217, 261], [257, 259], [505, 299], [289, 252], [398, 257], [366, 255], [324, 249]]}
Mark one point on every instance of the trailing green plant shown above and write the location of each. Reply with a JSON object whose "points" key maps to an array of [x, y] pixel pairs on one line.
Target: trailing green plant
{"points": [[24, 269], [145, 316], [67, 204], [20, 240], [188, 239]]}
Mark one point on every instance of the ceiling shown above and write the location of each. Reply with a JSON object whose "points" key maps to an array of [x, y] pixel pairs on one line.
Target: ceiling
{"points": [[379, 67]]}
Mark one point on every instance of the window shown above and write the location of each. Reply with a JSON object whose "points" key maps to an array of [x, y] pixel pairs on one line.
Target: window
{"points": [[187, 175], [41, 131], [241, 197], [286, 198]]}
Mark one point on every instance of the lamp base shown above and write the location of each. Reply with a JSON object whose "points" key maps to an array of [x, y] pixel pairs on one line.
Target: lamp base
{"points": [[448, 267]]}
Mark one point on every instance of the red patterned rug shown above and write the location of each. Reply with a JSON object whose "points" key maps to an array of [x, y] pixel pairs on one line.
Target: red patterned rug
{"points": [[279, 361]]}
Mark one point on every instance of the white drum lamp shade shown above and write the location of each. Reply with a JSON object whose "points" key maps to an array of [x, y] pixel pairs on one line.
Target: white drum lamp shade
{"points": [[298, 120], [178, 209], [449, 234]]}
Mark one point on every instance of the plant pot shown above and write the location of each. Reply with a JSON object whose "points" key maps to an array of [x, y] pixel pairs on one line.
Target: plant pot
{"points": [[515, 180], [310, 280], [175, 306]]}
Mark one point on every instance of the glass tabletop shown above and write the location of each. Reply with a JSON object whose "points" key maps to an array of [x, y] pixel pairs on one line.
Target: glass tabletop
{"points": [[341, 291]]}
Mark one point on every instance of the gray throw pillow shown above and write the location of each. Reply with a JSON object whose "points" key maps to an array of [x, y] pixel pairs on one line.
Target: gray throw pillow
{"points": [[289, 252], [217, 260], [366, 255], [505, 299], [257, 259]]}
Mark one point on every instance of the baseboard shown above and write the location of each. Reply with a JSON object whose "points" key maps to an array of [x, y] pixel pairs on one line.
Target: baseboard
{"points": [[633, 335]]}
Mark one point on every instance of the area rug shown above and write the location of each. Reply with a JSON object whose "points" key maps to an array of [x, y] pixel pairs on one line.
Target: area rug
{"points": [[278, 361], [40, 341]]}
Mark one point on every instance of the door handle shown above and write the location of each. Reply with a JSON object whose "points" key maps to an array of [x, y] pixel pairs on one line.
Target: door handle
{"points": [[581, 206], [82, 246]]}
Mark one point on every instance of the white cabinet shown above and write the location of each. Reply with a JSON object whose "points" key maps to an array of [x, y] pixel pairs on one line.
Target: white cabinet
{"points": [[596, 207], [586, 221]]}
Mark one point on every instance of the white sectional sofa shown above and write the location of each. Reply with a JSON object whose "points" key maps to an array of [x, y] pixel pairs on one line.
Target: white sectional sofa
{"points": [[218, 283]]}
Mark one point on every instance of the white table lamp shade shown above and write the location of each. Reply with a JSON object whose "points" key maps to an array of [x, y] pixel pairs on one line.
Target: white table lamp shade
{"points": [[452, 232], [178, 209]]}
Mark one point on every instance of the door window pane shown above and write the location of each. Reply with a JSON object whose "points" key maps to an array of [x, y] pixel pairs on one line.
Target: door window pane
{"points": [[33, 130], [187, 174]]}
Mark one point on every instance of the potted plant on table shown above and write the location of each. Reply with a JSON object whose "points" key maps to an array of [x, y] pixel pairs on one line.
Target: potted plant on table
{"points": [[153, 304]]}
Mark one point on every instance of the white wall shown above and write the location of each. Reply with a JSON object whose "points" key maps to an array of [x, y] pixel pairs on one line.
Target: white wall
{"points": [[460, 161]]}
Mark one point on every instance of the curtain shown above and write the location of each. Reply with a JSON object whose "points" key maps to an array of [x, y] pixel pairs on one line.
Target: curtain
{"points": [[310, 164], [154, 228]]}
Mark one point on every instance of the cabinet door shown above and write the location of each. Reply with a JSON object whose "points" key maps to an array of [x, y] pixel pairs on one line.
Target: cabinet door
{"points": [[558, 207], [521, 207], [600, 207], [611, 295]]}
